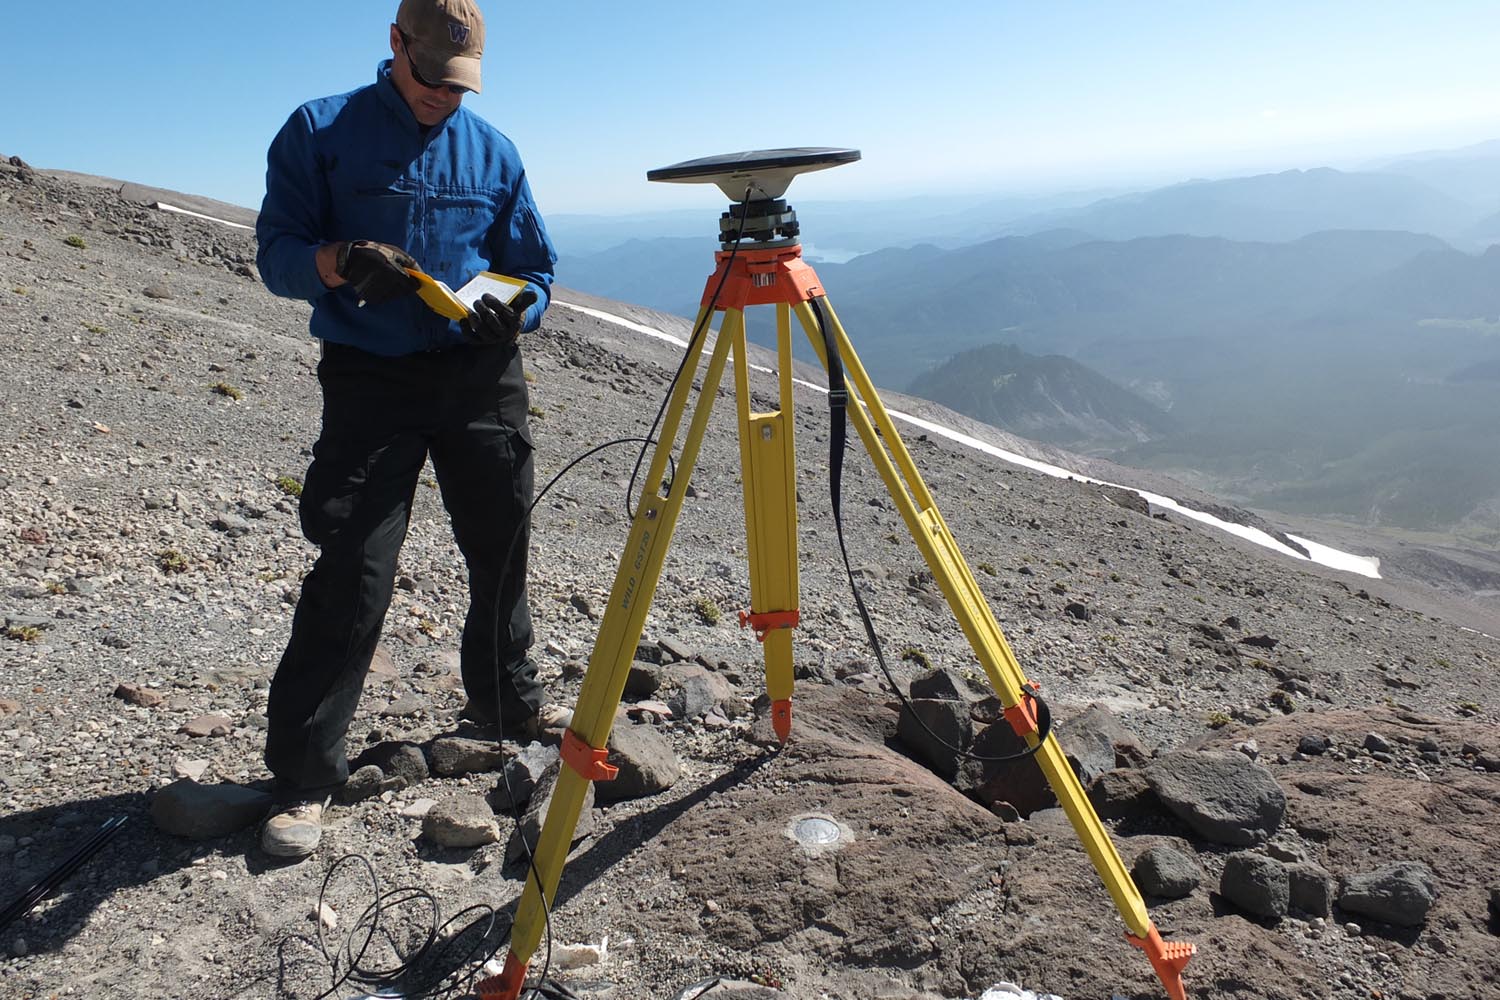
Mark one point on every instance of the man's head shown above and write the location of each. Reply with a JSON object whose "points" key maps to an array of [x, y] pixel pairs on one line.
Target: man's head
{"points": [[436, 46]]}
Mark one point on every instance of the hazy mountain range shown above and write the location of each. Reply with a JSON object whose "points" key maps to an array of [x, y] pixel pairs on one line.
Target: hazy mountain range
{"points": [[1314, 341]]}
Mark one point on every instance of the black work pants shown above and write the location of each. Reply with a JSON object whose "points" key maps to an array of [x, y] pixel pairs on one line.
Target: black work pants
{"points": [[382, 417]]}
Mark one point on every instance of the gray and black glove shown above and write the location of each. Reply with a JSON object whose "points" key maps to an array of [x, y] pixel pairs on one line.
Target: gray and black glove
{"points": [[376, 270], [495, 322]]}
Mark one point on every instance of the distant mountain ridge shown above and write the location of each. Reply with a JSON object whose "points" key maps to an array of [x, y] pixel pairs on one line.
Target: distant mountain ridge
{"points": [[1051, 399]]}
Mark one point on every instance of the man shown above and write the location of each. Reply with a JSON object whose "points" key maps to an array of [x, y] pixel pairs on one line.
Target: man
{"points": [[360, 187]]}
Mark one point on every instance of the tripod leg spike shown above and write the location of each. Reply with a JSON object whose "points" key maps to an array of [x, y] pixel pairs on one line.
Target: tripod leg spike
{"points": [[781, 718], [507, 985], [1167, 958]]}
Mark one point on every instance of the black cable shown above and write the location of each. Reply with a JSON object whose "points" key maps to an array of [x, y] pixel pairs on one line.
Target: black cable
{"points": [[838, 403], [53, 880]]}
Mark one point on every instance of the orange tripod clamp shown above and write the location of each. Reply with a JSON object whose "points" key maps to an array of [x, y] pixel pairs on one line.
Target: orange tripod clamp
{"points": [[507, 985], [765, 621]]}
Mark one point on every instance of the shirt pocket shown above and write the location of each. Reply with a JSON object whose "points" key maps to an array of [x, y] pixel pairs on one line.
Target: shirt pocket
{"points": [[375, 205], [459, 220]]}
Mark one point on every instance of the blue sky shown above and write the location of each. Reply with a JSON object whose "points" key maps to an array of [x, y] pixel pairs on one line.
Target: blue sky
{"points": [[944, 97]]}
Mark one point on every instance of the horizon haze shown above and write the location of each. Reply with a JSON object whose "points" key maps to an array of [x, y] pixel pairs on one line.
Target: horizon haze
{"points": [[984, 99]]}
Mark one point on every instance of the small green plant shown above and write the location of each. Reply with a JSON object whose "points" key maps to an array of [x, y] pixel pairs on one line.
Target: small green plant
{"points": [[1217, 720], [76, 242], [427, 627], [912, 654], [1110, 638], [1467, 708], [53, 587], [268, 576], [225, 389], [288, 485], [23, 633], [171, 561], [535, 411], [985, 567], [19, 291], [707, 611], [430, 483], [94, 328], [529, 376], [1114, 578], [1440, 661]]}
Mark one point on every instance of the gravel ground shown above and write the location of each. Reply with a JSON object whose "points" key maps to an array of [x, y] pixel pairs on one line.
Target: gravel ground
{"points": [[158, 410]]}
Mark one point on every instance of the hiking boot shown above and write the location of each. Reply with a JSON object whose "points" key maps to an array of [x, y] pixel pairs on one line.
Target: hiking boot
{"points": [[293, 829], [549, 719]]}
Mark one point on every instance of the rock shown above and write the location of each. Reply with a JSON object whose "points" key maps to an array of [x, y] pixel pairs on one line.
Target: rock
{"points": [[396, 759], [673, 651], [9, 708], [1223, 797], [1311, 888], [943, 685], [936, 731], [451, 756], [1495, 903], [1313, 745], [1261, 641], [519, 779], [1077, 610], [644, 680], [461, 821], [157, 291], [364, 783], [1256, 884], [529, 828], [189, 768], [1375, 743], [232, 525], [646, 761], [418, 808], [405, 707], [1399, 894], [1088, 740], [134, 694], [700, 692], [207, 725], [1166, 872], [381, 664], [1123, 793], [203, 812], [1020, 783]]}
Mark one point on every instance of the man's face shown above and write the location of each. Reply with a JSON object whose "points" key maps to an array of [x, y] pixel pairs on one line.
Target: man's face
{"points": [[429, 104]]}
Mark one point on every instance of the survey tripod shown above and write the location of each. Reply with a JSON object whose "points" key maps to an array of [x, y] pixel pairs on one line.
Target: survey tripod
{"points": [[761, 264]]}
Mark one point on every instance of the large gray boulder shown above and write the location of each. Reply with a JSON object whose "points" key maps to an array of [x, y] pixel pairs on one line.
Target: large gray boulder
{"points": [[461, 821], [1400, 894], [1166, 872], [203, 812], [1223, 797], [646, 761], [1256, 884], [936, 731]]}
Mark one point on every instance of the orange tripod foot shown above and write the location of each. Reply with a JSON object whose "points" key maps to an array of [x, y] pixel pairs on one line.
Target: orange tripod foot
{"points": [[1168, 959], [781, 718], [507, 985]]}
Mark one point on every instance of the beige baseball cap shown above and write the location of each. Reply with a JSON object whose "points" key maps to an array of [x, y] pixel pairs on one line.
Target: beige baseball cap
{"points": [[447, 39]]}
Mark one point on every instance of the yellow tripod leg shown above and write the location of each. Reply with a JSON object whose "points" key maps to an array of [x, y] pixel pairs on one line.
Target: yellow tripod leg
{"points": [[952, 573], [583, 749], [767, 463]]}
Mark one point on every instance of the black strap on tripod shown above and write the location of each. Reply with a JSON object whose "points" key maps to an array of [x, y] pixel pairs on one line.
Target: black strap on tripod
{"points": [[838, 407]]}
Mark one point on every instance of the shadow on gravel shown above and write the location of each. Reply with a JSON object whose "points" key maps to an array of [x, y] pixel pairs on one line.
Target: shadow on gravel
{"points": [[609, 849], [47, 837]]}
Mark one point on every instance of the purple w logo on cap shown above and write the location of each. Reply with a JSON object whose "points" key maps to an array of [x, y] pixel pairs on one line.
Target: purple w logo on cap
{"points": [[458, 33]]}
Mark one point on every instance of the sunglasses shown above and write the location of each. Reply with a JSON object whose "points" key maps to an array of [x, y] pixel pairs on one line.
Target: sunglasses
{"points": [[416, 74]]}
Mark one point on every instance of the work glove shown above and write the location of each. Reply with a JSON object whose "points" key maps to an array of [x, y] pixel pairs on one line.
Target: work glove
{"points": [[496, 322], [376, 270]]}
